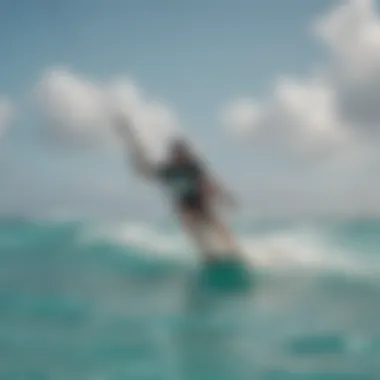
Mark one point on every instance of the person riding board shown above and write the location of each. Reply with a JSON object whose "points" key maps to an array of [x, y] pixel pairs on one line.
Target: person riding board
{"points": [[193, 190]]}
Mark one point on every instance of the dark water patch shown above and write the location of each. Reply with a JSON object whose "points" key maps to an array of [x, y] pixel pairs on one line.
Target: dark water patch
{"points": [[37, 309], [315, 375], [23, 375], [319, 344]]}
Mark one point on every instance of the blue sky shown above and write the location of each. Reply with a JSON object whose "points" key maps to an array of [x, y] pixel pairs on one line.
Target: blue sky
{"points": [[196, 56], [170, 48]]}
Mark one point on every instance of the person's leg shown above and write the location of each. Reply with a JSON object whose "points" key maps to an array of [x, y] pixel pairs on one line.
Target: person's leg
{"points": [[194, 227], [223, 233]]}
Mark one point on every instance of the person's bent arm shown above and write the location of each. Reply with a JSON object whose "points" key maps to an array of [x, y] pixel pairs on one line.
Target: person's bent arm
{"points": [[214, 188], [221, 191]]}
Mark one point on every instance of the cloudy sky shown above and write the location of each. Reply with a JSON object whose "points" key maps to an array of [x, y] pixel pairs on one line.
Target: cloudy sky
{"points": [[281, 97]]}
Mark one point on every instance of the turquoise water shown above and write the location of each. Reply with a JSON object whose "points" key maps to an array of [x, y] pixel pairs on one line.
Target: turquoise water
{"points": [[91, 301]]}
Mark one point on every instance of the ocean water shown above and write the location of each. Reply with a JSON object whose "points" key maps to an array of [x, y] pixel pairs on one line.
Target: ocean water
{"points": [[123, 301]]}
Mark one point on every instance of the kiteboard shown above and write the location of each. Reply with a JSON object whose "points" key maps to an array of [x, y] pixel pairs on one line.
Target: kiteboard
{"points": [[226, 273]]}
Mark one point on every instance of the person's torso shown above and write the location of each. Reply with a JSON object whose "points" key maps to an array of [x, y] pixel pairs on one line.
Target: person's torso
{"points": [[183, 180]]}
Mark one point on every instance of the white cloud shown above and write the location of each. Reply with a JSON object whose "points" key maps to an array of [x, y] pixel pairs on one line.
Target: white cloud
{"points": [[242, 115], [6, 113], [73, 106], [351, 31], [80, 110], [300, 119], [331, 112]]}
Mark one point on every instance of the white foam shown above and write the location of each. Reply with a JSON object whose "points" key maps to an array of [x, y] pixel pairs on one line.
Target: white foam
{"points": [[143, 238], [285, 250], [294, 249]]}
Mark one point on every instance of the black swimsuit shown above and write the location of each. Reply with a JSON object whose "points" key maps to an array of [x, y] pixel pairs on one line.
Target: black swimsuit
{"points": [[184, 182]]}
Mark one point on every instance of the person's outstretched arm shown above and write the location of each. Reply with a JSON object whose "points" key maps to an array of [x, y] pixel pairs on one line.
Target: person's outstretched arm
{"points": [[135, 149]]}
